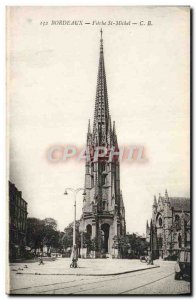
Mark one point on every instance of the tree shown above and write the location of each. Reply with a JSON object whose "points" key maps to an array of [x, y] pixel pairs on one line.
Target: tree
{"points": [[130, 246], [50, 222], [42, 233], [35, 233], [87, 243], [50, 234], [94, 244], [138, 244], [122, 244], [68, 235]]}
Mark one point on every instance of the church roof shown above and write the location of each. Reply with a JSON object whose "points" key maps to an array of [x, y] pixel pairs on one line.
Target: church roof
{"points": [[179, 203]]}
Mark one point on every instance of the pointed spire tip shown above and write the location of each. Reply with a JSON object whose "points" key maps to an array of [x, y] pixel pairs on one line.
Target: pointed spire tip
{"points": [[101, 41]]}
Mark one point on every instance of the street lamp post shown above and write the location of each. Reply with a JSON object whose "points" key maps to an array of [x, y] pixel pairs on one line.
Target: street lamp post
{"points": [[151, 244], [75, 192]]}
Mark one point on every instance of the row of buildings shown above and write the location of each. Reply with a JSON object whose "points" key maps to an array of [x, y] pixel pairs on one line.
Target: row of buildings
{"points": [[168, 232], [17, 222]]}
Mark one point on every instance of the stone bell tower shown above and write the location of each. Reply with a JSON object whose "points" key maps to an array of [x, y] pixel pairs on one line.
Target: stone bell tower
{"points": [[103, 216]]}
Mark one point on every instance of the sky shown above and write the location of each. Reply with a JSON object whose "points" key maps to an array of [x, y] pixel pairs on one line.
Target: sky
{"points": [[51, 85]]}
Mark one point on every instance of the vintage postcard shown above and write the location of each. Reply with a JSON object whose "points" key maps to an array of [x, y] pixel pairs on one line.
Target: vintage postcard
{"points": [[98, 143]]}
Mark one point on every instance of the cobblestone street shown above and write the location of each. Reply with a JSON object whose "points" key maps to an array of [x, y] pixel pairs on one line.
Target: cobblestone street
{"points": [[129, 277]]}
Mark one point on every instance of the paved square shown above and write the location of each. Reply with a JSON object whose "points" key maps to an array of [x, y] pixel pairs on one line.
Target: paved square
{"points": [[99, 276]]}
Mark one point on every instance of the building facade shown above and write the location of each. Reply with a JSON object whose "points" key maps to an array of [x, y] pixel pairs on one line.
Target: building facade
{"points": [[170, 228], [103, 216], [17, 222]]}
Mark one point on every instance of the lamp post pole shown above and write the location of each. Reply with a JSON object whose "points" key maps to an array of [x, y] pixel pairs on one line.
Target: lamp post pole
{"points": [[75, 192], [151, 243]]}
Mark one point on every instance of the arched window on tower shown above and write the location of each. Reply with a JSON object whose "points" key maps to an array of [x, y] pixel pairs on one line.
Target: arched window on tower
{"points": [[103, 173], [160, 222], [177, 222], [179, 241], [177, 218], [104, 202], [160, 242], [92, 181]]}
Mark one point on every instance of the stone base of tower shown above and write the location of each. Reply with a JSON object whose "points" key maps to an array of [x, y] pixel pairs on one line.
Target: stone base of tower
{"points": [[99, 236], [96, 254]]}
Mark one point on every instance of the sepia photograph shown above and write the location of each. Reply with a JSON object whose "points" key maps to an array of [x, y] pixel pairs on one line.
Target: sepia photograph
{"points": [[98, 150]]}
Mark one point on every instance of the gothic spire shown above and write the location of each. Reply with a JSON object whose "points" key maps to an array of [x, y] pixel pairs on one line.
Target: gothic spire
{"points": [[109, 133], [101, 41], [155, 201], [166, 196], [89, 135], [114, 134], [89, 126], [147, 226], [121, 199], [101, 113]]}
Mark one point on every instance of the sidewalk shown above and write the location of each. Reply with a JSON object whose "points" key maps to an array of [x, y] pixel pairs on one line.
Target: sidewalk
{"points": [[86, 267]]}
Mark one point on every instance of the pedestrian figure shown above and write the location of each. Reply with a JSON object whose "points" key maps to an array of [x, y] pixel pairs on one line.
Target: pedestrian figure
{"points": [[178, 272], [74, 258], [41, 261], [150, 260]]}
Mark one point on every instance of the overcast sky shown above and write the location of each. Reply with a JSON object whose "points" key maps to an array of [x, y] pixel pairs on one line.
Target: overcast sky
{"points": [[52, 73]]}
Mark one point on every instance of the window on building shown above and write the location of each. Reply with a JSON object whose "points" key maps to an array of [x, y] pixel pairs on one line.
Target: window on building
{"points": [[179, 241], [177, 218], [103, 177], [160, 242], [177, 222], [92, 181], [103, 205], [160, 222]]}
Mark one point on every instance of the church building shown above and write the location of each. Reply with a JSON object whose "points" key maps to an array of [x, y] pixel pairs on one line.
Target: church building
{"points": [[169, 230], [103, 215]]}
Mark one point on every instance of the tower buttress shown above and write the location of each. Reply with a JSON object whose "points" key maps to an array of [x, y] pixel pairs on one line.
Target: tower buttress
{"points": [[154, 210]]}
